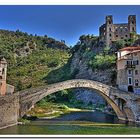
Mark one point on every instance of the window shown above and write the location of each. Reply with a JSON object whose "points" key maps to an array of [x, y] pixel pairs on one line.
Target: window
{"points": [[136, 72], [133, 29], [110, 35], [136, 62], [129, 62], [132, 22], [129, 72], [0, 77], [3, 71], [126, 29], [136, 82], [109, 29], [130, 80], [135, 53], [126, 35], [116, 35], [121, 37]]}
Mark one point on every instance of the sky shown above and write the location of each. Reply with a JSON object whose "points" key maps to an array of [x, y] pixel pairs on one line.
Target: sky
{"points": [[63, 22]]}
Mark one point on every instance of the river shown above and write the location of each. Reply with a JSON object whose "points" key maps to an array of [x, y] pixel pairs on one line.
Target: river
{"points": [[93, 122]]}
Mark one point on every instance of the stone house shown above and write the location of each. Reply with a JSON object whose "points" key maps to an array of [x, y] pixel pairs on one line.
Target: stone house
{"points": [[128, 69], [4, 87]]}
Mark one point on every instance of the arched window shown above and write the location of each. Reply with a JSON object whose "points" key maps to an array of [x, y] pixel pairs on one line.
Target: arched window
{"points": [[133, 29], [109, 22], [3, 71]]}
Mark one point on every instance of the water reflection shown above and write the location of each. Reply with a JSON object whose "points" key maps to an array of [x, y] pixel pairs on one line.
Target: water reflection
{"points": [[96, 116], [67, 123]]}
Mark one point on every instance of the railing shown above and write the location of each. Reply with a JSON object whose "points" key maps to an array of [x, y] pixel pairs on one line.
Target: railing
{"points": [[131, 66]]}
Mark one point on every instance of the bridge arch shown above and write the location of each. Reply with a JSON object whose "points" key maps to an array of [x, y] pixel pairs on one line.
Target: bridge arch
{"points": [[30, 97]]}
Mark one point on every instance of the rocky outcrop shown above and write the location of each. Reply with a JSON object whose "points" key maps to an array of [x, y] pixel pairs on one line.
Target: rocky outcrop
{"points": [[26, 50], [88, 97], [80, 68], [84, 72]]}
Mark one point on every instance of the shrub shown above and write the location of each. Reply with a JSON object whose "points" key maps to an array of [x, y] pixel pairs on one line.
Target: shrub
{"points": [[102, 61]]}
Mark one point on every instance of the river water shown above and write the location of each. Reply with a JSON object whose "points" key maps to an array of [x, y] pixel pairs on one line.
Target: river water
{"points": [[74, 123]]}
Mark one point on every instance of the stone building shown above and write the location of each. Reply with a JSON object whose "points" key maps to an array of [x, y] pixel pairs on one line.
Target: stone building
{"points": [[110, 32], [128, 69], [4, 87]]}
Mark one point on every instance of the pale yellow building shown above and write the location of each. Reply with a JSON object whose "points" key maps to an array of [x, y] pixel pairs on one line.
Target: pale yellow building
{"points": [[128, 69]]}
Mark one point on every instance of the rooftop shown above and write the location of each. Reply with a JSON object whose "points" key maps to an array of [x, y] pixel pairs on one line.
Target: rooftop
{"points": [[130, 48], [3, 60]]}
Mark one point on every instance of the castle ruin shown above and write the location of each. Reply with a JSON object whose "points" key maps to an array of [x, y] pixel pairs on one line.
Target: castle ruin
{"points": [[110, 32]]}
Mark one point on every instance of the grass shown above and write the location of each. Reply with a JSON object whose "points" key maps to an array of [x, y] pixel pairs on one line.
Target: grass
{"points": [[50, 110]]}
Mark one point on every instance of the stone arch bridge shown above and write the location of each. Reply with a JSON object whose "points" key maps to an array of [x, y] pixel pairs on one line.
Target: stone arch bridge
{"points": [[126, 105]]}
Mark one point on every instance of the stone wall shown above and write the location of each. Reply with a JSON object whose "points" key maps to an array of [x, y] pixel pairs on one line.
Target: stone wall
{"points": [[9, 110], [88, 96]]}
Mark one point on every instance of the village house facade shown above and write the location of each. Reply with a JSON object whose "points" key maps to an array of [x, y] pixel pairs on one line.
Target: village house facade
{"points": [[110, 32], [128, 69], [4, 87]]}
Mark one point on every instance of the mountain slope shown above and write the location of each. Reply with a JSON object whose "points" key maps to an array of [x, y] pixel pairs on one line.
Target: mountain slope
{"points": [[30, 57]]}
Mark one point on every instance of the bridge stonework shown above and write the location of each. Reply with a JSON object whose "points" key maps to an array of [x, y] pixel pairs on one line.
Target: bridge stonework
{"points": [[9, 110], [126, 105]]}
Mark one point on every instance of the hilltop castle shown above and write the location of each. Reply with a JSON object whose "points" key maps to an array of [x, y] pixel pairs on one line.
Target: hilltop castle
{"points": [[4, 88], [110, 32]]}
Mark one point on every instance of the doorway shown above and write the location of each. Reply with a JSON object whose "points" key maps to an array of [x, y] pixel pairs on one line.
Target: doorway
{"points": [[130, 88]]}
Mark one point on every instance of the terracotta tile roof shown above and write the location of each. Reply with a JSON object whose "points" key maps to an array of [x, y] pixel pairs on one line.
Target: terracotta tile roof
{"points": [[130, 48]]}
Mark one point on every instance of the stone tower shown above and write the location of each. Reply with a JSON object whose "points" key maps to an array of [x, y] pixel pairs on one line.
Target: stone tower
{"points": [[109, 29], [132, 23], [3, 74]]}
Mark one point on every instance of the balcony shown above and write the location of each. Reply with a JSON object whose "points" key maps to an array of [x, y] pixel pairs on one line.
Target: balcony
{"points": [[130, 66]]}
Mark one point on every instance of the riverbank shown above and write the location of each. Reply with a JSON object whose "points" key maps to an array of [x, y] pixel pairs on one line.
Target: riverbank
{"points": [[51, 110]]}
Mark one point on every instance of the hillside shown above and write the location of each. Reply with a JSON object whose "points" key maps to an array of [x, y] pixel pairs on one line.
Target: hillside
{"points": [[31, 57]]}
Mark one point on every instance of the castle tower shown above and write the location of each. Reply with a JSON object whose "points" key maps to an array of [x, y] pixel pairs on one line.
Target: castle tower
{"points": [[3, 74], [109, 29], [132, 23]]}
